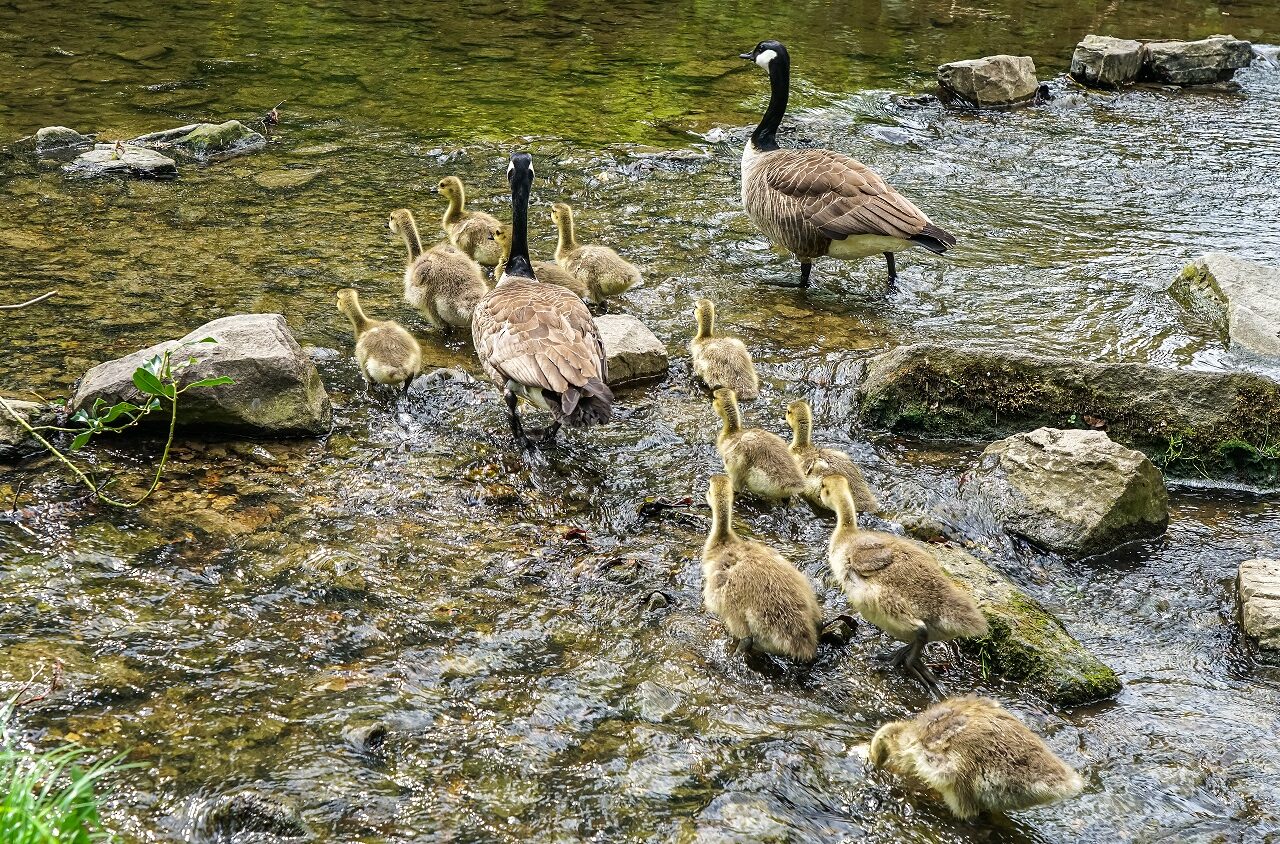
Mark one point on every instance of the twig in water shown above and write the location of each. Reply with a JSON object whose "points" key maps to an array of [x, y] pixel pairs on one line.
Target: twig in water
{"points": [[39, 298]]}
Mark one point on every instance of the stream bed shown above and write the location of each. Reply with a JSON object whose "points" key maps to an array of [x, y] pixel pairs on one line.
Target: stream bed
{"points": [[408, 630]]}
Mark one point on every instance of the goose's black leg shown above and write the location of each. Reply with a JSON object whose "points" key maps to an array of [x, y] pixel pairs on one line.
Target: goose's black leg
{"points": [[805, 268], [517, 428], [893, 268]]}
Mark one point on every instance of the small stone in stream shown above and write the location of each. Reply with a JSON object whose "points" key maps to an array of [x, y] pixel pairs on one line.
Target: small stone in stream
{"points": [[60, 137], [276, 391], [632, 350], [1073, 491], [366, 739], [657, 600], [1103, 62], [656, 702], [319, 353], [284, 179], [990, 81], [123, 159], [1240, 298], [1258, 585], [840, 630], [1212, 59], [145, 53], [247, 812]]}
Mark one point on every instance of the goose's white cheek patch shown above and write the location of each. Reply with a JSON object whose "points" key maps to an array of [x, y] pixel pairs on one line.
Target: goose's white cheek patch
{"points": [[764, 58]]}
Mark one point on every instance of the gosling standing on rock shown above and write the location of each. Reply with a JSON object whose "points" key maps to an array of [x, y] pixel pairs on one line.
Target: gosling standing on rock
{"points": [[604, 272], [897, 585], [816, 462], [548, 272], [815, 202], [538, 341], [764, 601], [441, 283], [470, 231], [977, 755], [721, 361], [757, 460], [386, 352]]}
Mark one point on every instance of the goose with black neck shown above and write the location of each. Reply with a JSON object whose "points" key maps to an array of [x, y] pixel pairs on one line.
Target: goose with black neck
{"points": [[815, 202]]}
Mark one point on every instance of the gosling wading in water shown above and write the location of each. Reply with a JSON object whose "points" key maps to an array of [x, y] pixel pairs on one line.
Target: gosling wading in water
{"points": [[815, 202], [441, 283], [977, 755], [470, 231], [764, 601], [816, 462], [897, 585], [721, 361], [386, 352], [757, 460], [538, 342], [548, 272], [603, 271]]}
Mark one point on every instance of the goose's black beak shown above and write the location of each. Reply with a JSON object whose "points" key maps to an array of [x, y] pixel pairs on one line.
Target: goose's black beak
{"points": [[748, 56]]}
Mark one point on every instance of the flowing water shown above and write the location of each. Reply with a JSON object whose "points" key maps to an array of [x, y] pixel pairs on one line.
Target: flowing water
{"points": [[413, 573]]}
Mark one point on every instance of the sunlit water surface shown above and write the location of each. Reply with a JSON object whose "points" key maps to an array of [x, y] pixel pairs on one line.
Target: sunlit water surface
{"points": [[411, 570]]}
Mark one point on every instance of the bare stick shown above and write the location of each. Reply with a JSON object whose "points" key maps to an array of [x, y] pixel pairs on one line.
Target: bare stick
{"points": [[39, 298]]}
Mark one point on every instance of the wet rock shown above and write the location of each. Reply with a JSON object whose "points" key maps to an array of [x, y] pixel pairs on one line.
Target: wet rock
{"points": [[1212, 59], [123, 160], [656, 702], [1027, 644], [1074, 491], [248, 812], [1240, 298], [15, 442], [990, 81], [1258, 585], [1103, 62], [1197, 424], [145, 53], [285, 179], [277, 390], [632, 350], [369, 738], [207, 140], [60, 137]]}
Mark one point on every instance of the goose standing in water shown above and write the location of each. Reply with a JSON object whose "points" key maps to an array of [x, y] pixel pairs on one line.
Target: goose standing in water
{"points": [[538, 341], [816, 202]]}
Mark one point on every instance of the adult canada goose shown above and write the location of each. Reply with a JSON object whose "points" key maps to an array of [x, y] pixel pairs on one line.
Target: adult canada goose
{"points": [[441, 283], [538, 341], [816, 462], [470, 231], [757, 460], [763, 600], [816, 202], [548, 272], [977, 755], [721, 361], [603, 271], [386, 352], [897, 585]]}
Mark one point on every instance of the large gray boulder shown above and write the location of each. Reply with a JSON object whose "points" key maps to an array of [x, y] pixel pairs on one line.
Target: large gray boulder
{"points": [[122, 160], [277, 390], [60, 137], [1076, 492], [1258, 585], [1212, 59], [1240, 298], [1103, 62], [206, 140], [1027, 644], [632, 350], [1189, 423], [990, 81]]}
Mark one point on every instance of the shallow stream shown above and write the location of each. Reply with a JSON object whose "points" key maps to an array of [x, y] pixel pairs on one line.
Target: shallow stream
{"points": [[412, 570]]}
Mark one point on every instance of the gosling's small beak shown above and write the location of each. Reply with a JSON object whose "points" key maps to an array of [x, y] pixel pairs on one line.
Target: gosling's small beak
{"points": [[748, 56]]}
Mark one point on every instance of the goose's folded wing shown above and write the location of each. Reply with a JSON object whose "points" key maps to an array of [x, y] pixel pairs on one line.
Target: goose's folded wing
{"points": [[540, 336], [841, 196]]}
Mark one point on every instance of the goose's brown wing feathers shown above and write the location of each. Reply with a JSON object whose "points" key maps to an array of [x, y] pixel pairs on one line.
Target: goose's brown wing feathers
{"points": [[841, 196]]}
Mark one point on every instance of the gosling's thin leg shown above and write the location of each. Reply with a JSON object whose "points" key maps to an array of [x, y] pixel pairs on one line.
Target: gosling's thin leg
{"points": [[894, 657], [743, 647], [893, 268]]}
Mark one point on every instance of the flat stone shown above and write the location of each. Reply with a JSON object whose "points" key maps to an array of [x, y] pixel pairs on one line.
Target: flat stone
{"points": [[632, 350], [1103, 62], [1240, 298], [990, 81], [127, 160], [60, 137], [1027, 644], [204, 141], [1073, 491], [1203, 425], [284, 178], [1258, 586], [276, 391], [145, 53], [1212, 59]]}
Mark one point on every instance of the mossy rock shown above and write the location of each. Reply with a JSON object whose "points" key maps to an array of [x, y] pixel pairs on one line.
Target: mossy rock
{"points": [[1027, 644], [208, 139], [1223, 426]]}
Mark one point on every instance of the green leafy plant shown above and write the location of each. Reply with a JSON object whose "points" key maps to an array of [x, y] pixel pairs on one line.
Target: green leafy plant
{"points": [[157, 381], [48, 797]]}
